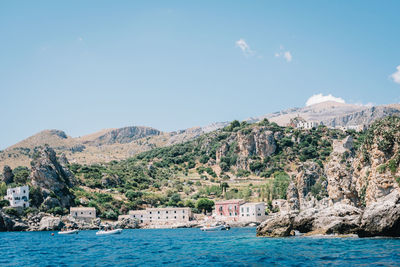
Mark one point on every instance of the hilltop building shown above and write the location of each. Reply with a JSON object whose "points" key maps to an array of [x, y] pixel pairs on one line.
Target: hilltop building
{"points": [[83, 213], [18, 196], [308, 124], [252, 212], [162, 215]]}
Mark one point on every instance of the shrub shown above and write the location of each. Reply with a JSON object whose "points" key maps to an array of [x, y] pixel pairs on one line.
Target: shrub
{"points": [[21, 175], [242, 173], [4, 203], [11, 211]]}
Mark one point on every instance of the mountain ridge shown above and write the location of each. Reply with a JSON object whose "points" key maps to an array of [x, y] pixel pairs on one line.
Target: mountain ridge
{"points": [[120, 143]]}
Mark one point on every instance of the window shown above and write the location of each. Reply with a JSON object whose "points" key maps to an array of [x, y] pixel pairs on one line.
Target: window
{"points": [[183, 211], [174, 217], [158, 212], [220, 208], [242, 209], [81, 212], [174, 211], [230, 213], [90, 212], [158, 217], [24, 191], [220, 214], [141, 216], [183, 216], [167, 211], [248, 209], [167, 217]]}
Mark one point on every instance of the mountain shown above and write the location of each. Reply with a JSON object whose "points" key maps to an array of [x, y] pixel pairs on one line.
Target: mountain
{"points": [[121, 143]]}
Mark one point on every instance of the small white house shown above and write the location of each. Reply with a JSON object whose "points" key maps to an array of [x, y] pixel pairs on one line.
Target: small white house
{"points": [[307, 124], [252, 212], [18, 196], [83, 213]]}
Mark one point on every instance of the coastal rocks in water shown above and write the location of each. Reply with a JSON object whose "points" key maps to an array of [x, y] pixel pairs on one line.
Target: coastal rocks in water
{"points": [[51, 176], [127, 223], [8, 176], [277, 225], [50, 223], [338, 219], [11, 223], [382, 218]]}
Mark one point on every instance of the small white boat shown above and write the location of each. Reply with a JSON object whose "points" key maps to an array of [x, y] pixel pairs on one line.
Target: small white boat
{"points": [[109, 232], [214, 228], [69, 232]]}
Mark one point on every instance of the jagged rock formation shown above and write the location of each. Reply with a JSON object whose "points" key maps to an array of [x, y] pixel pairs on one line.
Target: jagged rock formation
{"points": [[53, 179], [8, 176], [363, 195]]}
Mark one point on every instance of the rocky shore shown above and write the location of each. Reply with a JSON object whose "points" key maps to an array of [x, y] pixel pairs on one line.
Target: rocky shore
{"points": [[358, 192]]}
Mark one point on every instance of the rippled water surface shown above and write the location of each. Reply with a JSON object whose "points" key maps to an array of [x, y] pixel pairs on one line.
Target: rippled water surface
{"points": [[188, 247]]}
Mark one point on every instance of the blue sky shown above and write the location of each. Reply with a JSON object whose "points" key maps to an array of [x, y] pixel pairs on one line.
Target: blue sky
{"points": [[82, 66]]}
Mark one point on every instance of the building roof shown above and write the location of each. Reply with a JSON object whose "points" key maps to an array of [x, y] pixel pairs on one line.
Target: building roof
{"points": [[252, 203], [82, 208], [168, 208], [230, 201]]}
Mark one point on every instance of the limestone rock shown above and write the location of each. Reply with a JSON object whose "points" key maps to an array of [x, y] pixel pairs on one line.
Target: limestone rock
{"points": [[277, 225], [51, 176], [50, 223], [382, 218]]}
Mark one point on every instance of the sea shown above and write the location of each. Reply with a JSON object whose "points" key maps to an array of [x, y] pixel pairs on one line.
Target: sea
{"points": [[192, 247]]}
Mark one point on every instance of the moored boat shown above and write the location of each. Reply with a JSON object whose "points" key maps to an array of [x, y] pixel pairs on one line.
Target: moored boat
{"points": [[219, 227], [68, 232], [109, 232]]}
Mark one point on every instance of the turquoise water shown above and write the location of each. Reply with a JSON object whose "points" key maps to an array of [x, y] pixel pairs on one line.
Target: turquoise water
{"points": [[188, 247]]}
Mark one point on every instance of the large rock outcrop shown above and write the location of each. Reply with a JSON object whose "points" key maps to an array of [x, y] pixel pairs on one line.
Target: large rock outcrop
{"points": [[53, 179]]}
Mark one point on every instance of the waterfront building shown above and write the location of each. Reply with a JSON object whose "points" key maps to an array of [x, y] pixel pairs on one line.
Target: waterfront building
{"points": [[228, 209], [162, 215], [83, 213], [18, 196], [252, 212]]}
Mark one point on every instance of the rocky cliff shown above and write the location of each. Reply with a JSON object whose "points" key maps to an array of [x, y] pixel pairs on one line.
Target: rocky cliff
{"points": [[362, 189]]}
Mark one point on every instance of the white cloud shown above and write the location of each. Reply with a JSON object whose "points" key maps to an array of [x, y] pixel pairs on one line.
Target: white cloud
{"points": [[319, 98], [241, 43], [396, 76], [284, 54], [288, 56]]}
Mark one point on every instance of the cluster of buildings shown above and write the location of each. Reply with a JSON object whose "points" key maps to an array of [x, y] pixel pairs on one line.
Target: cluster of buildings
{"points": [[300, 123], [228, 210]]}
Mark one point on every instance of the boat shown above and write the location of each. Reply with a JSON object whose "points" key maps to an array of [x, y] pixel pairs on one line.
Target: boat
{"points": [[219, 227], [69, 232], [109, 232]]}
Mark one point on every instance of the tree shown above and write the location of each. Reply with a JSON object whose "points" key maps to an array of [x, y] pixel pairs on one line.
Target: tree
{"points": [[224, 186], [21, 175], [205, 205]]}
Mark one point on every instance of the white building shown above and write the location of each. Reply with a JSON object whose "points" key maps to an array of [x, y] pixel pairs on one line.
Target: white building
{"points": [[18, 196], [83, 213], [252, 212], [161, 215], [307, 124]]}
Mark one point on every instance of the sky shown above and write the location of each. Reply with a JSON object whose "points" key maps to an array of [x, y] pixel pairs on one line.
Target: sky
{"points": [[82, 66]]}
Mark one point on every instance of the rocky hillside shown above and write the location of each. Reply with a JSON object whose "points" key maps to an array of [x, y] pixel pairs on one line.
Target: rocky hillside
{"points": [[122, 143], [358, 189]]}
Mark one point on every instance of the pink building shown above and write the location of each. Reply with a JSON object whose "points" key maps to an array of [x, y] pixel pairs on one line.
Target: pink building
{"points": [[228, 209]]}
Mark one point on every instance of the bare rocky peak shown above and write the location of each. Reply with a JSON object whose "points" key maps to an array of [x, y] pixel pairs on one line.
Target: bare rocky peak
{"points": [[121, 135]]}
